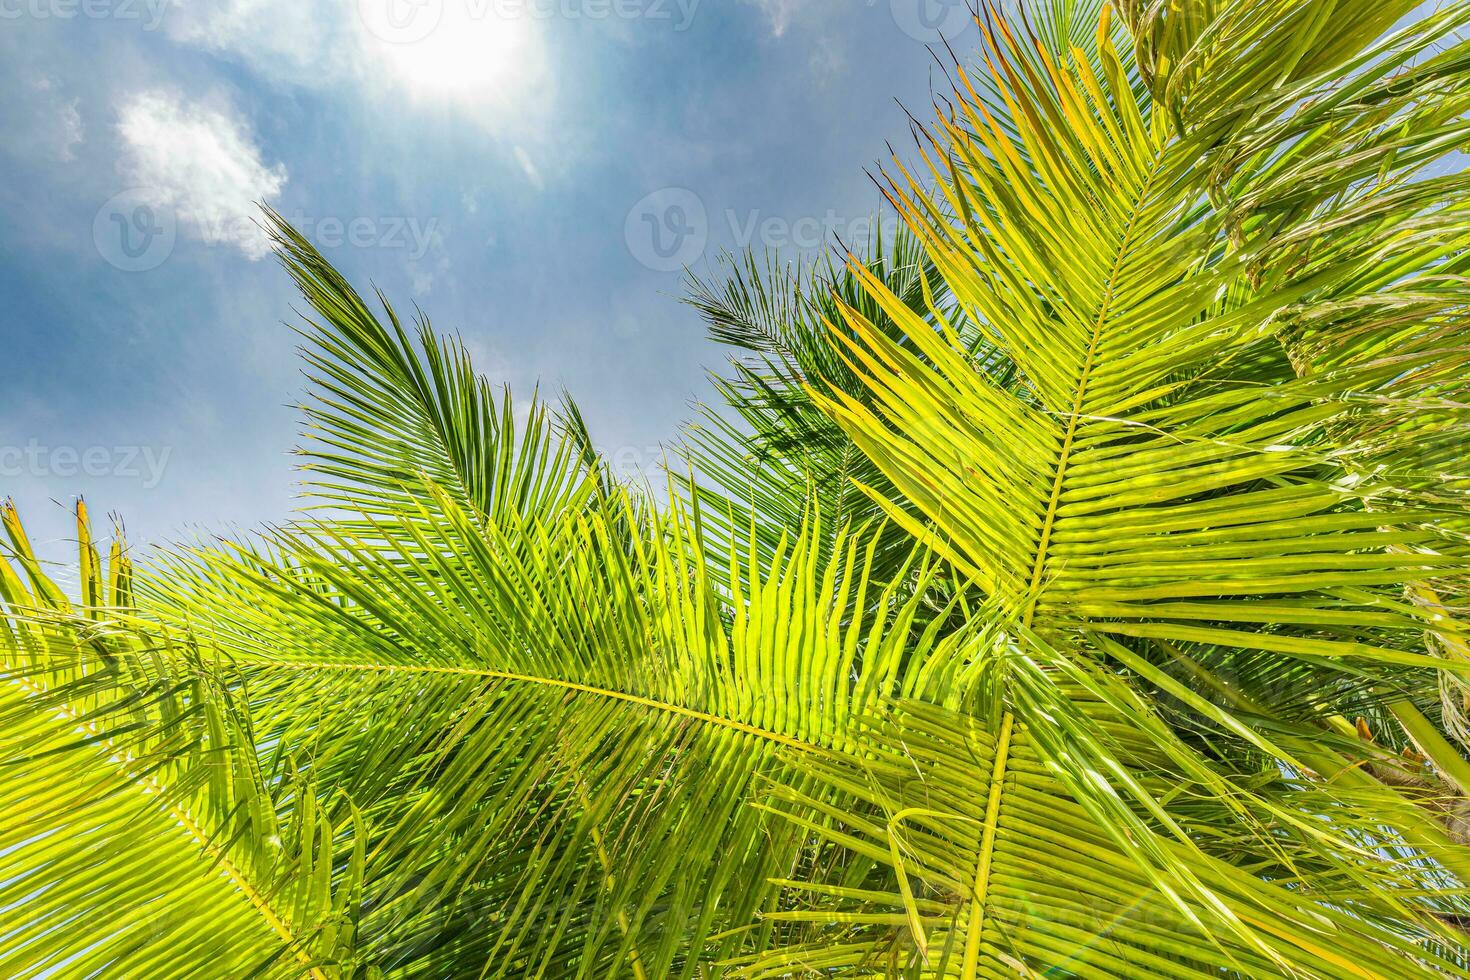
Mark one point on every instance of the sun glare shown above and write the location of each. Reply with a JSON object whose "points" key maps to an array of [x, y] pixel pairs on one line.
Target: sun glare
{"points": [[466, 53]]}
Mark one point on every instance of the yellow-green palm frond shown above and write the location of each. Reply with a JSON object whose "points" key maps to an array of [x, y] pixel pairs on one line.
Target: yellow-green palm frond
{"points": [[135, 810], [1120, 668], [1146, 489]]}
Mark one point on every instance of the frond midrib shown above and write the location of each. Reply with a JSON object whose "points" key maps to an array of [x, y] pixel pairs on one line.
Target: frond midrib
{"points": [[694, 714], [976, 926], [1048, 522]]}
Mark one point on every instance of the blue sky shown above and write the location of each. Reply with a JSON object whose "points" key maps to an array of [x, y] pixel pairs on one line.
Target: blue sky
{"points": [[530, 172]]}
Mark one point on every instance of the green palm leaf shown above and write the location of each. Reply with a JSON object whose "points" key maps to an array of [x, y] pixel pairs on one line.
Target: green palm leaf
{"points": [[135, 811], [1083, 520]]}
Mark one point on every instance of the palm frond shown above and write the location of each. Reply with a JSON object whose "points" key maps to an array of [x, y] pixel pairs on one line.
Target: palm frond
{"points": [[1068, 587], [135, 811]]}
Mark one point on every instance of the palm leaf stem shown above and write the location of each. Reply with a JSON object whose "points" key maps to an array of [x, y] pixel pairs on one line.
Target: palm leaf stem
{"points": [[976, 927]]}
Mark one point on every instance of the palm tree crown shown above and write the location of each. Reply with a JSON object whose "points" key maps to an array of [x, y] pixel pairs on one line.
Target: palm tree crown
{"points": [[1074, 582]]}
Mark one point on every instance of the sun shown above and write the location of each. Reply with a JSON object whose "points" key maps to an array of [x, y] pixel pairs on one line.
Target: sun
{"points": [[467, 52]]}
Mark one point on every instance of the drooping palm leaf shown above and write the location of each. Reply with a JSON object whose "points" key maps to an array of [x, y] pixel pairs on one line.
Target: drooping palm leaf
{"points": [[139, 837]]}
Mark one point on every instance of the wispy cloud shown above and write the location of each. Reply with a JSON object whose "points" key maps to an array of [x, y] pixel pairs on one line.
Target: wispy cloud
{"points": [[827, 60], [201, 162], [778, 13], [296, 43], [528, 166], [46, 121]]}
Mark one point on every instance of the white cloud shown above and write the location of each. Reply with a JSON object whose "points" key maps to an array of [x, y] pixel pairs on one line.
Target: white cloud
{"points": [[778, 12], [49, 123], [69, 120], [425, 275], [292, 42], [201, 163]]}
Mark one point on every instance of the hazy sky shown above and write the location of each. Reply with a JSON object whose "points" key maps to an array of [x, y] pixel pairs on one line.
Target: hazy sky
{"points": [[531, 173]]}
